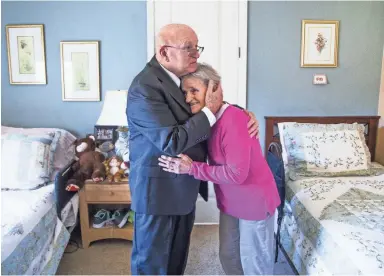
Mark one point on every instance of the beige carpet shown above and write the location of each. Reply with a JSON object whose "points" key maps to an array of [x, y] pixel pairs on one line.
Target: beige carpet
{"points": [[113, 256]]}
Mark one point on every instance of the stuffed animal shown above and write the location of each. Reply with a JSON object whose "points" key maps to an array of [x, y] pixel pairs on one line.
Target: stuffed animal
{"points": [[84, 145], [125, 166], [114, 169], [89, 164]]}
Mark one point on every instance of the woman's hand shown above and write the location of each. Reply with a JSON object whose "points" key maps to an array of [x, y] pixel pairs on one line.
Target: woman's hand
{"points": [[253, 125], [214, 97], [180, 165]]}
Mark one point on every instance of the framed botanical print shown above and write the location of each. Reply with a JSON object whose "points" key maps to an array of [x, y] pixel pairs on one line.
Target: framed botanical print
{"points": [[80, 74], [26, 54], [319, 43]]}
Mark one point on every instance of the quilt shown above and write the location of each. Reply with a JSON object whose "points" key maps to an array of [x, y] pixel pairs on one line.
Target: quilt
{"points": [[335, 225], [33, 238]]}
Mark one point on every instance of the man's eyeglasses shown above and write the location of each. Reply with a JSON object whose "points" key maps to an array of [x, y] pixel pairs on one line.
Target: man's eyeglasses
{"points": [[190, 50]]}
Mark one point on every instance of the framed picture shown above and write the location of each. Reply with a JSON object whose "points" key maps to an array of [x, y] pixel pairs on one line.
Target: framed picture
{"points": [[319, 43], [80, 75], [26, 54], [106, 133]]}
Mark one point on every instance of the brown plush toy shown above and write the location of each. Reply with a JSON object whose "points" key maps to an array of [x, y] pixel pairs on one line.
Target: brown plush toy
{"points": [[114, 168], [89, 164]]}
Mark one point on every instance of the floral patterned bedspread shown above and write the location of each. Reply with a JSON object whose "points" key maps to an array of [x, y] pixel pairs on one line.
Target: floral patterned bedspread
{"points": [[335, 225], [33, 239]]}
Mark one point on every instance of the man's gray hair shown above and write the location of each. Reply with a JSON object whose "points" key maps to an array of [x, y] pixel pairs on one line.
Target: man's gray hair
{"points": [[204, 72]]}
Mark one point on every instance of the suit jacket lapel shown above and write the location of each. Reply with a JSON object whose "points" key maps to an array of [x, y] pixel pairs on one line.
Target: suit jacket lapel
{"points": [[169, 85]]}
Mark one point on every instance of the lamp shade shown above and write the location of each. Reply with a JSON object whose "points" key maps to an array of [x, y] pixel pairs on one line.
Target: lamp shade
{"points": [[113, 112]]}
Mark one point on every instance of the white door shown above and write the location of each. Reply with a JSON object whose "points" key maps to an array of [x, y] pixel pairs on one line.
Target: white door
{"points": [[221, 27]]}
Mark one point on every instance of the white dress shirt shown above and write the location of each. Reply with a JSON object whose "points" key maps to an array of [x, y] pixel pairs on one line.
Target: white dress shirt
{"points": [[211, 117]]}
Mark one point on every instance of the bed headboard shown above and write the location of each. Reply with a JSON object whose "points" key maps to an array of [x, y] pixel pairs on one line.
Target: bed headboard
{"points": [[370, 122]]}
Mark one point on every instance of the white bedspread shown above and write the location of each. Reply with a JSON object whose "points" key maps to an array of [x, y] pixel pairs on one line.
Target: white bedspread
{"points": [[335, 225], [22, 211]]}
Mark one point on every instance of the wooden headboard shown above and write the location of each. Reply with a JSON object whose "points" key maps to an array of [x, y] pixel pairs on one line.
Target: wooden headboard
{"points": [[370, 122]]}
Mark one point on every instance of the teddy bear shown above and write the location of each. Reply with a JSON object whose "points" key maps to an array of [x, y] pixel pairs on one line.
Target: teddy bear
{"points": [[115, 169], [89, 164]]}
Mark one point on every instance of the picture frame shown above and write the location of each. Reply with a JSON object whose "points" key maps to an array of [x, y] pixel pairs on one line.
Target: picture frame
{"points": [[26, 54], [319, 43], [80, 70], [106, 133]]}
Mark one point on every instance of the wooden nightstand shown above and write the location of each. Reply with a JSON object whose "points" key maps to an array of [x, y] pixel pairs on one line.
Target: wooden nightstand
{"points": [[103, 193]]}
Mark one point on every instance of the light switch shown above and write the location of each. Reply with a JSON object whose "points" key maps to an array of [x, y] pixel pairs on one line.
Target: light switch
{"points": [[320, 79]]}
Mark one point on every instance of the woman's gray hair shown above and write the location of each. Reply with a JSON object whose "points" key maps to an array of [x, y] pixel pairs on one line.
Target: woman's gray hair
{"points": [[204, 72]]}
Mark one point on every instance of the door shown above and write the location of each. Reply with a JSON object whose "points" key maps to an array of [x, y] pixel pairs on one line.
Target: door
{"points": [[221, 27]]}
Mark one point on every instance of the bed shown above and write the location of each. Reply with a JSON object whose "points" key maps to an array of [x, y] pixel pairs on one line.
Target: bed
{"points": [[37, 214], [333, 219]]}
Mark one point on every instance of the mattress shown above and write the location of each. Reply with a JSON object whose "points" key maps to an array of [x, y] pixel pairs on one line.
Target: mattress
{"points": [[335, 225], [33, 238]]}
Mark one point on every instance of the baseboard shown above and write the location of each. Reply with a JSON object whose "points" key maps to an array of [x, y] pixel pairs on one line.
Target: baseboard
{"points": [[207, 212], [206, 223]]}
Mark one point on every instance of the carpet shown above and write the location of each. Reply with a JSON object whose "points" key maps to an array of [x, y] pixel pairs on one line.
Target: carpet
{"points": [[112, 257]]}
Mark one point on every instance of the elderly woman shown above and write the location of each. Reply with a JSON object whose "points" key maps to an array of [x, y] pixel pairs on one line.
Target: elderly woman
{"points": [[244, 185]]}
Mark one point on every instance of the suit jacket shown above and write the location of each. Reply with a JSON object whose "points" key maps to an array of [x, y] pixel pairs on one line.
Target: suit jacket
{"points": [[161, 123]]}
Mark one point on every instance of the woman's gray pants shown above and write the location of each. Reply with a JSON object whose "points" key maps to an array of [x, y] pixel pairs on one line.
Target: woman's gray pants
{"points": [[246, 246]]}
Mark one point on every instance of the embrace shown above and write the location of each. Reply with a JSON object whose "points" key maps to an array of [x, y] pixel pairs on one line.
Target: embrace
{"points": [[178, 121]]}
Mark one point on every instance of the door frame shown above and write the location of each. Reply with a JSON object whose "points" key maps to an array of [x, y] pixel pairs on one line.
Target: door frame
{"points": [[243, 36]]}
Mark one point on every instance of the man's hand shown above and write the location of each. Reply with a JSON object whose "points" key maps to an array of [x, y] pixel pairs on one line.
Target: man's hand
{"points": [[253, 125], [214, 97], [180, 165]]}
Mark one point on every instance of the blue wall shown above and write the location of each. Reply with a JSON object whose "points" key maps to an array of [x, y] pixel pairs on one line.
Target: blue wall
{"points": [[119, 26], [277, 86], [276, 83]]}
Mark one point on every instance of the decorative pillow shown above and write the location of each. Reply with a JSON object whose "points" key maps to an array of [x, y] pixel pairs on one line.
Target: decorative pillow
{"points": [[62, 145], [325, 149], [334, 151], [27, 160]]}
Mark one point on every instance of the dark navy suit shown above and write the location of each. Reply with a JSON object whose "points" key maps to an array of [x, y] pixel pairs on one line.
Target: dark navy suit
{"points": [[160, 122]]}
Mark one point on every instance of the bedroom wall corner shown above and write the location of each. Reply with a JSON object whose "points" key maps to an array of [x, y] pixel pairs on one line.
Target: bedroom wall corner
{"points": [[380, 136]]}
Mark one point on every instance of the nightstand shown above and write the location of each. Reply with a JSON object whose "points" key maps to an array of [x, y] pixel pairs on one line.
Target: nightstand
{"points": [[104, 193]]}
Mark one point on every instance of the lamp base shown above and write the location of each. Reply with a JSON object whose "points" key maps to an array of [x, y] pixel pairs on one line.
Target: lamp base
{"points": [[122, 143]]}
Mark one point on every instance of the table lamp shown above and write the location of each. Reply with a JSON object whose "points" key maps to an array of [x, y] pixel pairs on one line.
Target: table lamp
{"points": [[113, 114]]}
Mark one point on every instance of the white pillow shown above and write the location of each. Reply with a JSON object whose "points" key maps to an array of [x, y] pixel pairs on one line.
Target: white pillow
{"points": [[291, 137], [25, 161], [64, 151], [334, 151]]}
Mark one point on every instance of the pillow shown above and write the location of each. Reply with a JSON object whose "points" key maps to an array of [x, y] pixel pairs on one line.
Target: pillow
{"points": [[319, 149], [26, 161], [334, 151], [64, 151]]}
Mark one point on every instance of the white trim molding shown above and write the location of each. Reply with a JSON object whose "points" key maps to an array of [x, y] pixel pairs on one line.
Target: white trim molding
{"points": [[243, 44], [150, 29]]}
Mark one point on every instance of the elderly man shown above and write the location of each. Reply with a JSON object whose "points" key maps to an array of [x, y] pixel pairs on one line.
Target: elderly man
{"points": [[161, 122]]}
